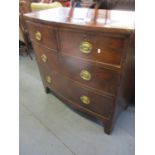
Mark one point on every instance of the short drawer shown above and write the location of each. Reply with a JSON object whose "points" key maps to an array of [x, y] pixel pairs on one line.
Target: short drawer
{"points": [[46, 56], [78, 95], [45, 35], [92, 46], [90, 74]]}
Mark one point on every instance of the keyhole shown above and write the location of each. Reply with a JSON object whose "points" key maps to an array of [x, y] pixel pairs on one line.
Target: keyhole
{"points": [[98, 50]]}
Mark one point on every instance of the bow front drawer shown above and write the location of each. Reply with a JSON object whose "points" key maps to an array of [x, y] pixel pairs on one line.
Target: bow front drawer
{"points": [[46, 56], [92, 46], [89, 74], [42, 34]]}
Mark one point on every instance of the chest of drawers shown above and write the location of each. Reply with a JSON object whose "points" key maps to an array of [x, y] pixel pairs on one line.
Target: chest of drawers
{"points": [[88, 65]]}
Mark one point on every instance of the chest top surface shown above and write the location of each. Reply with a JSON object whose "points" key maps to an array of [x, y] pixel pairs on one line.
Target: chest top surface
{"points": [[117, 20]]}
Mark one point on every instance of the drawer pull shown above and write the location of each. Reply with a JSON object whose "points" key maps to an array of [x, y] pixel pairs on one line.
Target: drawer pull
{"points": [[48, 79], [38, 36], [85, 99], [85, 75], [44, 58], [85, 47]]}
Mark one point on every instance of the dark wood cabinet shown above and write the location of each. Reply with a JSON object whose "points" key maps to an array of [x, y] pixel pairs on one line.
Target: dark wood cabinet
{"points": [[86, 63]]}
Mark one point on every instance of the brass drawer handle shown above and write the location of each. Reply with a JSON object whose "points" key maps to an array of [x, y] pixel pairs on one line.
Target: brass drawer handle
{"points": [[85, 75], [85, 47], [48, 79], [38, 36], [85, 99], [44, 58]]}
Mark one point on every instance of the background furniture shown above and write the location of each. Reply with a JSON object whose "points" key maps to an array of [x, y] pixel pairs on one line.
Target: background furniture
{"points": [[24, 44], [44, 6], [85, 63], [122, 4], [109, 4]]}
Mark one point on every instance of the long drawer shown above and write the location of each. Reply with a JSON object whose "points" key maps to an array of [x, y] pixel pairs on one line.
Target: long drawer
{"points": [[43, 34], [87, 98], [92, 46], [89, 74], [46, 56]]}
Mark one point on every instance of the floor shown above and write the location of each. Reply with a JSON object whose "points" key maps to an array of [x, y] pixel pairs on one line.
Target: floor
{"points": [[49, 127]]}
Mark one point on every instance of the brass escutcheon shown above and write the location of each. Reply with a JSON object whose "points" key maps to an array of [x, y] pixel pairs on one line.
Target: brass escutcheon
{"points": [[44, 58], [48, 79], [38, 36], [85, 99], [85, 75], [85, 47]]}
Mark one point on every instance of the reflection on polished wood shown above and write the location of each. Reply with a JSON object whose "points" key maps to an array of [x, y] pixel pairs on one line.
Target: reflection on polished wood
{"points": [[83, 17]]}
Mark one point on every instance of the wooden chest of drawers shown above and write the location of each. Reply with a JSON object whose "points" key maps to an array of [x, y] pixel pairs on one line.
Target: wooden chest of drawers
{"points": [[87, 64]]}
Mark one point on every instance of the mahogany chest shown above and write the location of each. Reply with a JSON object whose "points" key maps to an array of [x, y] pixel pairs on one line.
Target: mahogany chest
{"points": [[88, 64]]}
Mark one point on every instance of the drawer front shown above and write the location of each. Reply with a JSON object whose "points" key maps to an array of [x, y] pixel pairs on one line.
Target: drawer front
{"points": [[76, 94], [43, 34], [96, 47], [46, 56], [90, 74]]}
